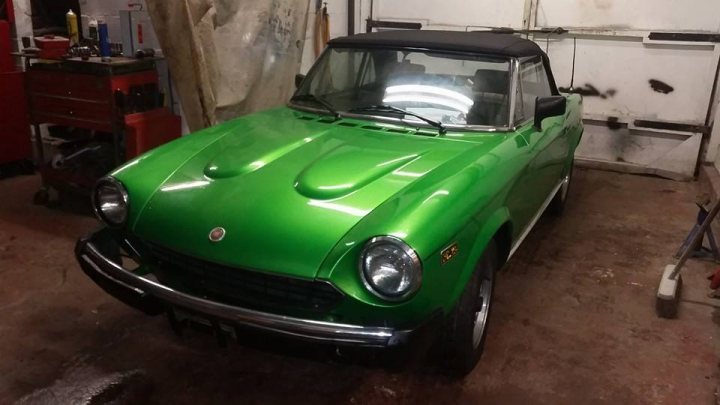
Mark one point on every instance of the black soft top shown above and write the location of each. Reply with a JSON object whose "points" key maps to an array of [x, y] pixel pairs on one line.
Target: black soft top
{"points": [[477, 41], [484, 42]]}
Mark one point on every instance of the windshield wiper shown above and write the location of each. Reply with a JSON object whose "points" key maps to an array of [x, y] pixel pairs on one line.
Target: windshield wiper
{"points": [[317, 100], [388, 108]]}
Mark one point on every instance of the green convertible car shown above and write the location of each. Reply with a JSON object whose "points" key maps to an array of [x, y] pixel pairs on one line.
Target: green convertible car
{"points": [[375, 207]]}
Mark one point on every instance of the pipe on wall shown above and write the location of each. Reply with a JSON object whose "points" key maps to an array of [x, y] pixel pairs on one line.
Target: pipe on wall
{"points": [[351, 17]]}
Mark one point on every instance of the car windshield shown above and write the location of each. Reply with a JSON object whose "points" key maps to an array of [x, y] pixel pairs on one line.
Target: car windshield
{"points": [[450, 89]]}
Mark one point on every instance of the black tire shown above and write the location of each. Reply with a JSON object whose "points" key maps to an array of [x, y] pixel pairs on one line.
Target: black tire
{"points": [[460, 345], [558, 203]]}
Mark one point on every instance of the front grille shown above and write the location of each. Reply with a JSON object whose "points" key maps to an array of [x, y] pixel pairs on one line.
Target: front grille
{"points": [[241, 287]]}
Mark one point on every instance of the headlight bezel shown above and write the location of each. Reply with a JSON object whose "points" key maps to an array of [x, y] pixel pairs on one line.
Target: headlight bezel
{"points": [[413, 288], [122, 191]]}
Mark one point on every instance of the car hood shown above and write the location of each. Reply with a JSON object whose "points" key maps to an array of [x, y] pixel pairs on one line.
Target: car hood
{"points": [[285, 188]]}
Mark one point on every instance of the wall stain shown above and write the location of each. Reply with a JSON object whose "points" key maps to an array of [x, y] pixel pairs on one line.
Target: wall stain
{"points": [[660, 86], [603, 4], [613, 123], [589, 91]]}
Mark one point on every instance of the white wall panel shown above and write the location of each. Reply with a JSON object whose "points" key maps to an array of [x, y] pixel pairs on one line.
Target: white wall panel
{"points": [[670, 15], [23, 22], [634, 150], [621, 71], [107, 10], [337, 12], [458, 13]]}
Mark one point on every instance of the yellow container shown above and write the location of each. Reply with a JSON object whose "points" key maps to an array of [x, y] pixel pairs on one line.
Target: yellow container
{"points": [[72, 27]]}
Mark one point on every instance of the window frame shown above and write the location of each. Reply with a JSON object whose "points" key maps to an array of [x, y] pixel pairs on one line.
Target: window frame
{"points": [[515, 123]]}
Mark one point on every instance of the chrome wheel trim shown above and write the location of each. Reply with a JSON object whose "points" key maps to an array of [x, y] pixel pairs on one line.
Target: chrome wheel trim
{"points": [[565, 187], [481, 315]]}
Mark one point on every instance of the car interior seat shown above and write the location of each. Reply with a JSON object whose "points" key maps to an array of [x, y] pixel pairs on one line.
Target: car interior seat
{"points": [[490, 96]]}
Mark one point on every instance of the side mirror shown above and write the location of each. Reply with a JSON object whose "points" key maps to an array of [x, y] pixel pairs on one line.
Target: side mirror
{"points": [[298, 80], [546, 107]]}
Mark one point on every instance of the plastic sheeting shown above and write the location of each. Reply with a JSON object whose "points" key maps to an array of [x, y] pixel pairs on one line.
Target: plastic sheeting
{"points": [[230, 57]]}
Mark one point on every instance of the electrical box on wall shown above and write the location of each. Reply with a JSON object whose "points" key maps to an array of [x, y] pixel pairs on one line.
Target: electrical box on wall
{"points": [[137, 32]]}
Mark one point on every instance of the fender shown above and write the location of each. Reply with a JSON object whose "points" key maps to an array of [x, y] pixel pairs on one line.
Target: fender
{"points": [[488, 229]]}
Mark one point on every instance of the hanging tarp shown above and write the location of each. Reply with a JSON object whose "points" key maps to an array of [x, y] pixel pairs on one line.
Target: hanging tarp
{"points": [[230, 57]]}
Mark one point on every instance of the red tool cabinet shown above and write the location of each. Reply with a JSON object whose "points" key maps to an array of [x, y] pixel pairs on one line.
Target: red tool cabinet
{"points": [[14, 127], [144, 131], [85, 100], [110, 98]]}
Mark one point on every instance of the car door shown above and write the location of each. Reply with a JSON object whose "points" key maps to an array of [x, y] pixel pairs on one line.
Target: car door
{"points": [[546, 148]]}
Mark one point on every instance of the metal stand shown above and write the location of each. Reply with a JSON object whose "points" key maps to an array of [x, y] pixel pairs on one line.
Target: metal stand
{"points": [[695, 238], [668, 295], [700, 251], [42, 196]]}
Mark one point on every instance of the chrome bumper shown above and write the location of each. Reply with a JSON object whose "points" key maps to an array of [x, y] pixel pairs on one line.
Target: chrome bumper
{"points": [[153, 298]]}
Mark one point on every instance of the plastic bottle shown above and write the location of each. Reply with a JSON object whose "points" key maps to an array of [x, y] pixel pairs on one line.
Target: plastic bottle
{"points": [[93, 29], [72, 27], [104, 41]]}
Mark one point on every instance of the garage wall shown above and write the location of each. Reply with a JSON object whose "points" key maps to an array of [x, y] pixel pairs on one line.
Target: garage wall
{"points": [[628, 80], [454, 13], [337, 12], [615, 63], [23, 22], [108, 10], [629, 77], [669, 15], [664, 81]]}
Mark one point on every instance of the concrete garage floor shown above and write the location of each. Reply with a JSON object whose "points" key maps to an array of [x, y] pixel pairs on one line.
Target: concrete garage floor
{"points": [[574, 320]]}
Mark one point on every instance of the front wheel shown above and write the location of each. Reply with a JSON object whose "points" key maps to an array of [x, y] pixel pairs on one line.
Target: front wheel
{"points": [[463, 339], [557, 205]]}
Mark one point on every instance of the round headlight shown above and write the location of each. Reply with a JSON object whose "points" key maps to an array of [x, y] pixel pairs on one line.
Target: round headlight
{"points": [[110, 202], [390, 268]]}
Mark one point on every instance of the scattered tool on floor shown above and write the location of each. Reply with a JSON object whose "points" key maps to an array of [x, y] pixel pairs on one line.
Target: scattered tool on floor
{"points": [[668, 295]]}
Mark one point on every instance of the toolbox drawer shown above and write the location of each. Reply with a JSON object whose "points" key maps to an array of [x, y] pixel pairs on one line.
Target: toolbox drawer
{"points": [[85, 99], [72, 107], [72, 121], [73, 85]]}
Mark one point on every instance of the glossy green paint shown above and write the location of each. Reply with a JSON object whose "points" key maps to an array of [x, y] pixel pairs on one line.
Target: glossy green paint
{"points": [[300, 195]]}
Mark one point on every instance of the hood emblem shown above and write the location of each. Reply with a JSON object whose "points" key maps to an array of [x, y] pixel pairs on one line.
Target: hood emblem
{"points": [[217, 234]]}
